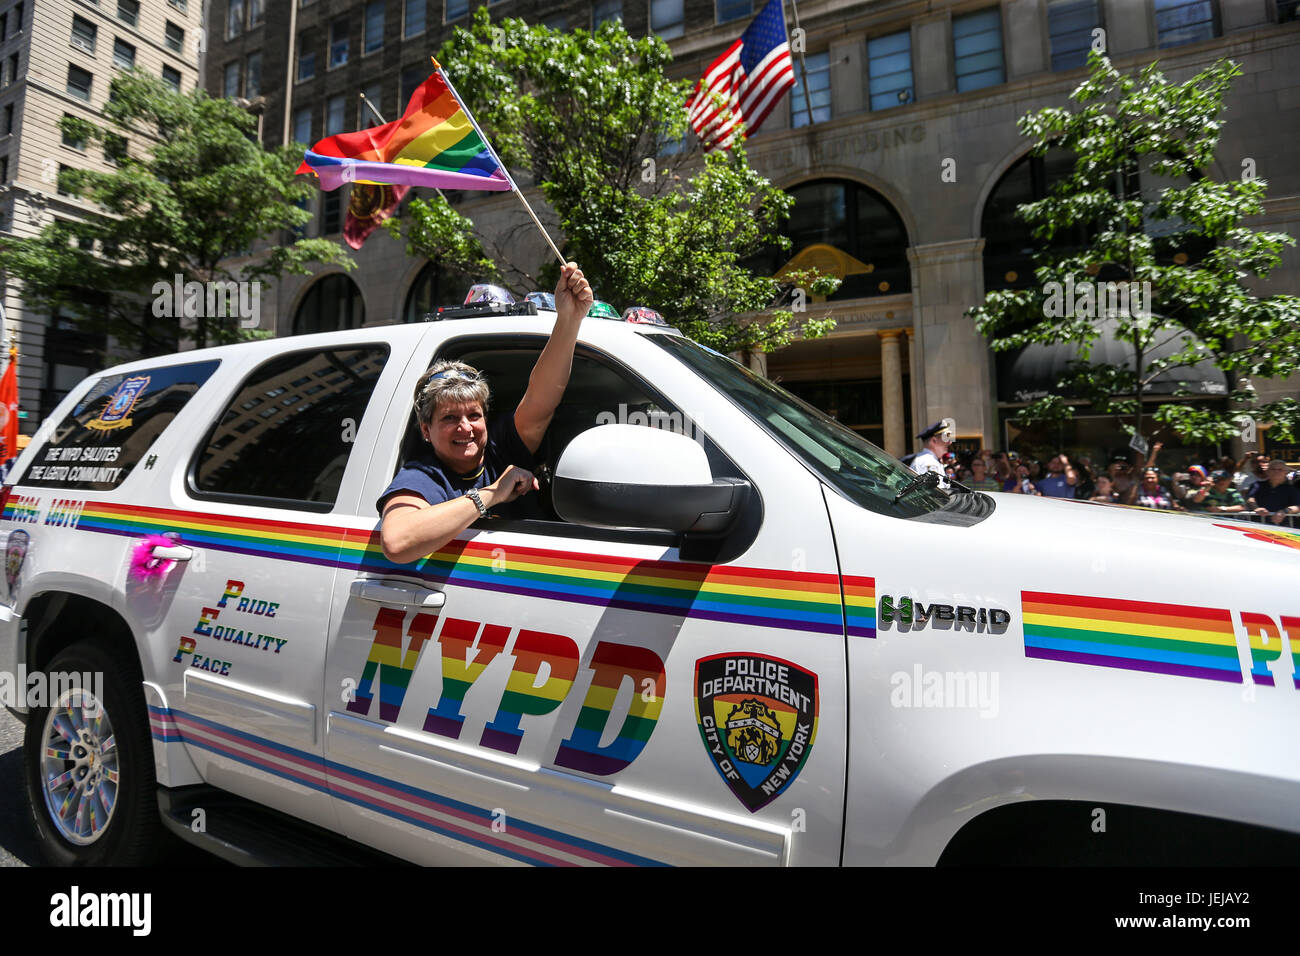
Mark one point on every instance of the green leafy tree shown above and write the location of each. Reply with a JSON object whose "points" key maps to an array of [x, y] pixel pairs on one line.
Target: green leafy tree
{"points": [[194, 191], [1121, 130], [433, 230], [601, 130]]}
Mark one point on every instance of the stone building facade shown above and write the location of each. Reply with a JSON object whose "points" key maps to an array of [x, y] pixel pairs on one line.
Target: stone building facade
{"points": [[58, 57]]}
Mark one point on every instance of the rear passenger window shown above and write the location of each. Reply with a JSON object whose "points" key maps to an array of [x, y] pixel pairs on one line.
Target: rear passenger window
{"points": [[109, 431], [285, 437]]}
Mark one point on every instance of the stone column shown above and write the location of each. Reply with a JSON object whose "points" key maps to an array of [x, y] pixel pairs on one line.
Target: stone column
{"points": [[952, 358], [891, 388]]}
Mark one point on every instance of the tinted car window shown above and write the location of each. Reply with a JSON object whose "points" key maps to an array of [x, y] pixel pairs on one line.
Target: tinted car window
{"points": [[109, 431], [286, 435]]}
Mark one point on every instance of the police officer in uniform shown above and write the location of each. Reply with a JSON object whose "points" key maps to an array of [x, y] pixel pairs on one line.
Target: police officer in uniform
{"points": [[938, 438]]}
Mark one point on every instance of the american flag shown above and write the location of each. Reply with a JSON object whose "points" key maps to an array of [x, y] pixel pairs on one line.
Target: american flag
{"points": [[745, 83]]}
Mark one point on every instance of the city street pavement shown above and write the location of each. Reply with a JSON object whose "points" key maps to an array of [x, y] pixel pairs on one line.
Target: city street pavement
{"points": [[17, 843]]}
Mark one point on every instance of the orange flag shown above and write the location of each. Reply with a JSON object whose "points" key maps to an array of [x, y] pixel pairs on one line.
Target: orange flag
{"points": [[9, 408]]}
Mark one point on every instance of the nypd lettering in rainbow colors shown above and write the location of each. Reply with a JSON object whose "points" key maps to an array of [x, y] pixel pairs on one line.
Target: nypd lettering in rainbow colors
{"points": [[398, 644]]}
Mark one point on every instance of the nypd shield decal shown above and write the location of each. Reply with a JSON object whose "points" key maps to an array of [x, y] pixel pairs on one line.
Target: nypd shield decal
{"points": [[758, 719]]}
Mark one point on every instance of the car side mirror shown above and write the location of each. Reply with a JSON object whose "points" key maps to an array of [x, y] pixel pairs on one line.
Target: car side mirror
{"points": [[634, 476]]}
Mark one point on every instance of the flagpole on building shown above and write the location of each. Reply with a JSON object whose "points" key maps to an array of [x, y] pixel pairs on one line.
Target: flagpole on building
{"points": [[803, 65], [510, 179]]}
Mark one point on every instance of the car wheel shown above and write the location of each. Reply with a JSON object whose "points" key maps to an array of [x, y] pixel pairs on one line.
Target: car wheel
{"points": [[89, 765]]}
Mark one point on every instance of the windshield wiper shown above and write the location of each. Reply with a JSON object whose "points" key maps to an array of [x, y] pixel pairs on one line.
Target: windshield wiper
{"points": [[926, 479]]}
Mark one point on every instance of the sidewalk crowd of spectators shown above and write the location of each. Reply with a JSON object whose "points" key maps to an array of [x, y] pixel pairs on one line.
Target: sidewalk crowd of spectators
{"points": [[1256, 487]]}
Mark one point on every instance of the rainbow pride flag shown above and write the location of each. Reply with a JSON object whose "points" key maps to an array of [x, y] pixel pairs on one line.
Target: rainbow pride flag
{"points": [[435, 143]]}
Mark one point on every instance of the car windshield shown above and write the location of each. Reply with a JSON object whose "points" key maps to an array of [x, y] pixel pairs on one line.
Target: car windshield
{"points": [[846, 461]]}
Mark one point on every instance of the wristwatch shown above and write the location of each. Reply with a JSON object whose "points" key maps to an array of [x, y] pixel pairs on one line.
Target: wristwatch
{"points": [[472, 495]]}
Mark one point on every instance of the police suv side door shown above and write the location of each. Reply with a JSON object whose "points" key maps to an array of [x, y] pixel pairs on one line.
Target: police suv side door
{"points": [[565, 695], [264, 502]]}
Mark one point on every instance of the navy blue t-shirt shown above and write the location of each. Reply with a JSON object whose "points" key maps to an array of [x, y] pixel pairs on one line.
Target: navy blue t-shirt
{"points": [[427, 477], [1275, 499]]}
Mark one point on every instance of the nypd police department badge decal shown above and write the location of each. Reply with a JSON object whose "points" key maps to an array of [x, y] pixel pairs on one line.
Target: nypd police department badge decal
{"points": [[758, 718]]}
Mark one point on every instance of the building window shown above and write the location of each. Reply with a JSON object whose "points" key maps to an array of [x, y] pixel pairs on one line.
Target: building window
{"points": [[79, 82], [819, 86], [335, 119], [977, 50], [859, 224], [115, 148], [174, 37], [12, 65], [230, 84], [255, 13], [306, 59], [429, 290], [16, 19], [83, 34], [733, 9], [302, 125], [606, 10], [1009, 243], [331, 214], [123, 55], [60, 183], [334, 302], [412, 77], [1184, 21], [4, 169], [1069, 26], [172, 77], [375, 97], [181, 5], [414, 18], [1288, 11], [374, 39], [234, 18], [71, 141], [9, 119], [889, 70], [253, 76], [456, 9], [128, 11], [667, 18], [338, 43]]}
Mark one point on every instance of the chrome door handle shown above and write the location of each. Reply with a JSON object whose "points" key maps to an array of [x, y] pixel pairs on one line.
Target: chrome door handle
{"points": [[367, 589], [176, 552]]}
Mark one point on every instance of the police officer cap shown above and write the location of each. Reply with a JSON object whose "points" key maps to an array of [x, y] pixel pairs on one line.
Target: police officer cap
{"points": [[943, 425]]}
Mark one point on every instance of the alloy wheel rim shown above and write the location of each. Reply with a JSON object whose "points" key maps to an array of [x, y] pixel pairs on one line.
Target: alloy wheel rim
{"points": [[79, 767]]}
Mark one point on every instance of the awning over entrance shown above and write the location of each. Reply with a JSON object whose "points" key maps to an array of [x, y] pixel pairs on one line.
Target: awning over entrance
{"points": [[1033, 372]]}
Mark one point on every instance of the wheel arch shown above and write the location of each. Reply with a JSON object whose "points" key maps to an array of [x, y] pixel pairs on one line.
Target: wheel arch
{"points": [[992, 811]]}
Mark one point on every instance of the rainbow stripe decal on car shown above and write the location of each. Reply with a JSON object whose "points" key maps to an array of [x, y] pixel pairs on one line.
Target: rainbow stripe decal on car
{"points": [[1288, 539], [22, 509], [462, 822], [761, 597], [1136, 635], [860, 606]]}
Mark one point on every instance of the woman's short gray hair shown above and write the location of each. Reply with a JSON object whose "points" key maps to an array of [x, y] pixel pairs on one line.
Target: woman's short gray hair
{"points": [[449, 383]]}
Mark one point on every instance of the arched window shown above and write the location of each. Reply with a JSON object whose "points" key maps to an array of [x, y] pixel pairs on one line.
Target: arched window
{"points": [[851, 231], [1009, 243], [333, 302], [1008, 240], [431, 288]]}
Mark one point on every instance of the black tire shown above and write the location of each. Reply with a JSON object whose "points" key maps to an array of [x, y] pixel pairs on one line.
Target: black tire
{"points": [[132, 833]]}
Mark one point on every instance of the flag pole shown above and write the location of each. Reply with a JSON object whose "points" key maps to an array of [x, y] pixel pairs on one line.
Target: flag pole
{"points": [[803, 65], [510, 179]]}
